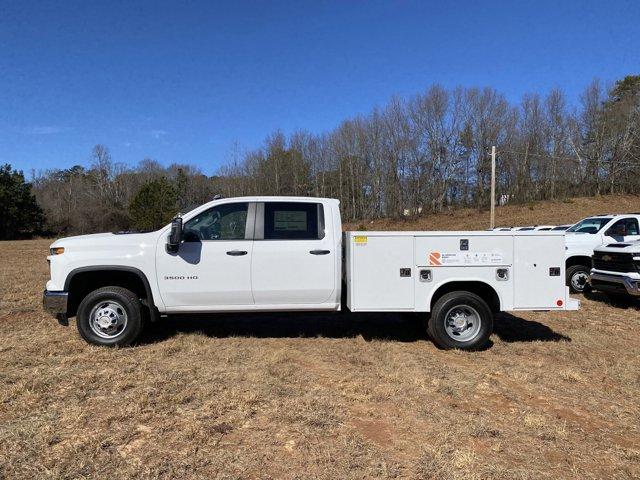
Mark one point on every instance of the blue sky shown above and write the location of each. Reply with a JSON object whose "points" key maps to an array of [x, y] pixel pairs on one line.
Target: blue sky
{"points": [[186, 81]]}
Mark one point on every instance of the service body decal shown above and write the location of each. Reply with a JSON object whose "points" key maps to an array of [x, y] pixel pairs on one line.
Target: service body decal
{"points": [[465, 258], [434, 259]]}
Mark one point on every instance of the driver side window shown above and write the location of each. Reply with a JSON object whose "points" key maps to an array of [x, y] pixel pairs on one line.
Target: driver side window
{"points": [[222, 222]]}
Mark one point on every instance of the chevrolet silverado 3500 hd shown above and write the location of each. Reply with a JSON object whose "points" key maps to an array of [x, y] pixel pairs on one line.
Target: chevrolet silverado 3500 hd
{"points": [[290, 254], [592, 232]]}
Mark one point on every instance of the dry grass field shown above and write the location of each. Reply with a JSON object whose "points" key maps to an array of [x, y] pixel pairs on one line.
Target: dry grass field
{"points": [[322, 396]]}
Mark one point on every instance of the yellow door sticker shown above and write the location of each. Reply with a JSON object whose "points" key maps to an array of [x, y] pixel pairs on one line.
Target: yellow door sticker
{"points": [[360, 240]]}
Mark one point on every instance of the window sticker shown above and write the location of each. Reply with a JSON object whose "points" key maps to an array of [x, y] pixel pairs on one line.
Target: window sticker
{"points": [[290, 221]]}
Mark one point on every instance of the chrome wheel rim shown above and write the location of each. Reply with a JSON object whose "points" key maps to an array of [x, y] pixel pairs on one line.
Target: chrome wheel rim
{"points": [[108, 319], [462, 323], [579, 280]]}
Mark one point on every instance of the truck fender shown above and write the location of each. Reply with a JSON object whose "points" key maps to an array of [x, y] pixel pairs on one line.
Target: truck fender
{"points": [[121, 268]]}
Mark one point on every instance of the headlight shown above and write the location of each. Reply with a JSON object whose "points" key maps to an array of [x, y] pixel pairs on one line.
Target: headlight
{"points": [[56, 251]]}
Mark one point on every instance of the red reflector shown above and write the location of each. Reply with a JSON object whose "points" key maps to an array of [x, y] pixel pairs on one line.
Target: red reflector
{"points": [[559, 303]]}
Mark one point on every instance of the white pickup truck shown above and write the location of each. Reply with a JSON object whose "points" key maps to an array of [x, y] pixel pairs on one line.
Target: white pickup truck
{"points": [[290, 254], [590, 233]]}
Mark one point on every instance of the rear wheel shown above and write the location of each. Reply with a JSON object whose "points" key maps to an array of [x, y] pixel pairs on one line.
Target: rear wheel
{"points": [[460, 320], [110, 316], [578, 278]]}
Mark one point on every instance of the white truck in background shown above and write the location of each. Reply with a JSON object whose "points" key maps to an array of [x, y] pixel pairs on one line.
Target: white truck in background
{"points": [[290, 254], [587, 234]]}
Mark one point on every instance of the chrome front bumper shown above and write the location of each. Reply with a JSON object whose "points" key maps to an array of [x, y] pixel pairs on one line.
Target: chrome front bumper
{"points": [[609, 282], [55, 303]]}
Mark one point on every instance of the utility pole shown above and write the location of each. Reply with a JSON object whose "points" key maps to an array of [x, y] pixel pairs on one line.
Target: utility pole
{"points": [[493, 187]]}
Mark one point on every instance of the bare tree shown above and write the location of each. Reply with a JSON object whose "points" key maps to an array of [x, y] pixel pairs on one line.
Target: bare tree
{"points": [[410, 157]]}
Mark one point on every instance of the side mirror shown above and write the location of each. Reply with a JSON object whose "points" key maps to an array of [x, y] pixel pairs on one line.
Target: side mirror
{"points": [[175, 237]]}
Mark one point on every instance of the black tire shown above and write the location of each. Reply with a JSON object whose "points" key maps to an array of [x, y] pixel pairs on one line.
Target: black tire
{"points": [[437, 322], [131, 307], [575, 284]]}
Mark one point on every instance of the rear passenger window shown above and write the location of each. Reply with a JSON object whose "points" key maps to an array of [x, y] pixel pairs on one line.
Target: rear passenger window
{"points": [[293, 221]]}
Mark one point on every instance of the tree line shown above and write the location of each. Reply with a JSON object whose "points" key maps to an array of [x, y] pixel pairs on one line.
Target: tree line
{"points": [[413, 156]]}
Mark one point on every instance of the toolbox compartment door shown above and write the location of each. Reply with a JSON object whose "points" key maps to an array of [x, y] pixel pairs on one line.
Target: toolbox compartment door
{"points": [[535, 287], [377, 282]]}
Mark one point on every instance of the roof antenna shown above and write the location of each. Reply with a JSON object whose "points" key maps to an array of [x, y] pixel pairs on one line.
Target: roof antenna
{"points": [[217, 196]]}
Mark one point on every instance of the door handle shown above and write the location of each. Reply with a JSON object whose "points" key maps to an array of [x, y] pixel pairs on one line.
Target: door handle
{"points": [[320, 252], [236, 253]]}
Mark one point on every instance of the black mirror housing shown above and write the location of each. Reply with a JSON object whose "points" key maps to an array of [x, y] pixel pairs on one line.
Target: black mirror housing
{"points": [[175, 236]]}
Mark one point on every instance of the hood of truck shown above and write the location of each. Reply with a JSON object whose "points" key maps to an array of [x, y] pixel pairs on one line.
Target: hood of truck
{"points": [[97, 240], [621, 247], [581, 243], [105, 248]]}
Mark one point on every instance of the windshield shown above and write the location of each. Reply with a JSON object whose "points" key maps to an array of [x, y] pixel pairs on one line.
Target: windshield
{"points": [[590, 225]]}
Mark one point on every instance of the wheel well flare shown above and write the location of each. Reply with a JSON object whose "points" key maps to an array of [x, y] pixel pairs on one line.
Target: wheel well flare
{"points": [[579, 260], [80, 282], [483, 290]]}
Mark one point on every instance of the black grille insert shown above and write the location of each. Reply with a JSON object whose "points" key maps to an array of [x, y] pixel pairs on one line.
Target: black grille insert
{"points": [[614, 262]]}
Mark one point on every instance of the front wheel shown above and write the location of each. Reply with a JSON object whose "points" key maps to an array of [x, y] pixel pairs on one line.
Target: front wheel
{"points": [[460, 320], [110, 316], [578, 278]]}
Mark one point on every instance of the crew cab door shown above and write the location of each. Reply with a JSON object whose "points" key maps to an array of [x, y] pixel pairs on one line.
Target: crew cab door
{"points": [[623, 230], [212, 267], [294, 259]]}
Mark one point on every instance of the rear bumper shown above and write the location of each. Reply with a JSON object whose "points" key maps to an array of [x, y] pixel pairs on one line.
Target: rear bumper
{"points": [[55, 303], [609, 282]]}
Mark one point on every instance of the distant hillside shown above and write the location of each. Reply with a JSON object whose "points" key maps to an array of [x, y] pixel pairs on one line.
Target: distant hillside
{"points": [[538, 213]]}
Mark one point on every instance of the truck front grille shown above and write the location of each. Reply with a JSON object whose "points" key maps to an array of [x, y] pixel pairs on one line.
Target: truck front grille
{"points": [[614, 262]]}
